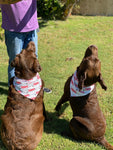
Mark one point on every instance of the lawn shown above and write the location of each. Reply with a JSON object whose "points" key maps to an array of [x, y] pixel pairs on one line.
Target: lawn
{"points": [[59, 40]]}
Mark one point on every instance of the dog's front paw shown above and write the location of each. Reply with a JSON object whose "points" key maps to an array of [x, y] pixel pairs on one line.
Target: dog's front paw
{"points": [[104, 87]]}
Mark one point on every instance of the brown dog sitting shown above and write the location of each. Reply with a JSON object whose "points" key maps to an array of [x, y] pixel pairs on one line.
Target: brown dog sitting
{"points": [[88, 122], [22, 121]]}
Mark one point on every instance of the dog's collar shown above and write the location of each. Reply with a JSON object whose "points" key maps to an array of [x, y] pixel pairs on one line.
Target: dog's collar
{"points": [[75, 91], [28, 88]]}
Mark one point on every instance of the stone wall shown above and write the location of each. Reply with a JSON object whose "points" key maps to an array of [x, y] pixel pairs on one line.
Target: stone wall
{"points": [[94, 7]]}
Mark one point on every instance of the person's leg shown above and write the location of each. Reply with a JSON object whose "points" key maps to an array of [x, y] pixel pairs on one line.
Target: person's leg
{"points": [[31, 36], [14, 43]]}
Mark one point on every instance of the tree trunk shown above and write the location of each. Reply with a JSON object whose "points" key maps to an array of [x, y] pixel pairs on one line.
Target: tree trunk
{"points": [[67, 8]]}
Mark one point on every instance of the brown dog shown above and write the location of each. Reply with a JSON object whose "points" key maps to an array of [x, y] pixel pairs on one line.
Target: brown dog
{"points": [[88, 122], [22, 121]]}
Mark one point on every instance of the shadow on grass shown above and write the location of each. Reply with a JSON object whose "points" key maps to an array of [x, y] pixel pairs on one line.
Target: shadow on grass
{"points": [[42, 23], [1, 112], [3, 84], [3, 90], [2, 147], [58, 125]]}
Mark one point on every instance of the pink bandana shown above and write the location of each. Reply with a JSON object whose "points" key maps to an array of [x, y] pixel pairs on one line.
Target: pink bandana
{"points": [[75, 91], [28, 88]]}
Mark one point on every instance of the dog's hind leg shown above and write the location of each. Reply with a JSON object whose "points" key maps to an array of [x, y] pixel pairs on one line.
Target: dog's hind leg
{"points": [[81, 128]]}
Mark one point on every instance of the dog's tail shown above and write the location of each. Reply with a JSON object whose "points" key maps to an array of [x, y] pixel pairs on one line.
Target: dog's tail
{"points": [[105, 144]]}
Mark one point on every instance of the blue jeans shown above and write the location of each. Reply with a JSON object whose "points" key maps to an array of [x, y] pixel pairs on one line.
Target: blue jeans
{"points": [[15, 42]]}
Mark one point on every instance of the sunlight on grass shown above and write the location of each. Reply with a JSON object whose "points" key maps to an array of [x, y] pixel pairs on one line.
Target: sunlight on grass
{"points": [[59, 40]]}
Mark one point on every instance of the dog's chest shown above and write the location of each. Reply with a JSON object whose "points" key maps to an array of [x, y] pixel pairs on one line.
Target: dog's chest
{"points": [[75, 91], [28, 88]]}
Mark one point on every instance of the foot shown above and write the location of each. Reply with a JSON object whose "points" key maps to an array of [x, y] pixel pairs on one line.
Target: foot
{"points": [[47, 90]]}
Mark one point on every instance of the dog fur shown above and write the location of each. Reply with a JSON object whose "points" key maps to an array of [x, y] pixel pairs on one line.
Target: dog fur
{"points": [[22, 121], [88, 122]]}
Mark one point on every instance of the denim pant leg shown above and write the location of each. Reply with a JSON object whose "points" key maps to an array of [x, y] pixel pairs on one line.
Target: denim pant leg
{"points": [[31, 36], [14, 43]]}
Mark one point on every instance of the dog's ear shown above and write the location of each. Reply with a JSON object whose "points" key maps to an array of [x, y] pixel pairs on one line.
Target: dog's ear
{"points": [[31, 46], [15, 62], [101, 82], [81, 79], [81, 73], [36, 66]]}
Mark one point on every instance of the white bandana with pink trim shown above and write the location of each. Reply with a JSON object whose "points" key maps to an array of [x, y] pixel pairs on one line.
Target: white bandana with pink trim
{"points": [[75, 91], [28, 88]]}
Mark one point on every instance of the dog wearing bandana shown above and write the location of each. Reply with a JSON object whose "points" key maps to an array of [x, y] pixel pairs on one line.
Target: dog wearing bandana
{"points": [[88, 122], [24, 112]]}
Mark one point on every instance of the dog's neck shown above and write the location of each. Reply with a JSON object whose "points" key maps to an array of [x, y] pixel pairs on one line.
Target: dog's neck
{"points": [[75, 91], [28, 88]]}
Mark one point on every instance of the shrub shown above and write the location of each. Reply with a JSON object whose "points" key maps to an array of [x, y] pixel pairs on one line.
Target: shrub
{"points": [[49, 9]]}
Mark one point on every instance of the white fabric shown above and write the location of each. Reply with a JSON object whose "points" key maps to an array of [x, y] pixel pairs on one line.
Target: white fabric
{"points": [[28, 88], [75, 91]]}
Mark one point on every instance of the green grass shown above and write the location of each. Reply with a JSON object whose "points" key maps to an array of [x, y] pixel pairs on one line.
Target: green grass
{"points": [[57, 41]]}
